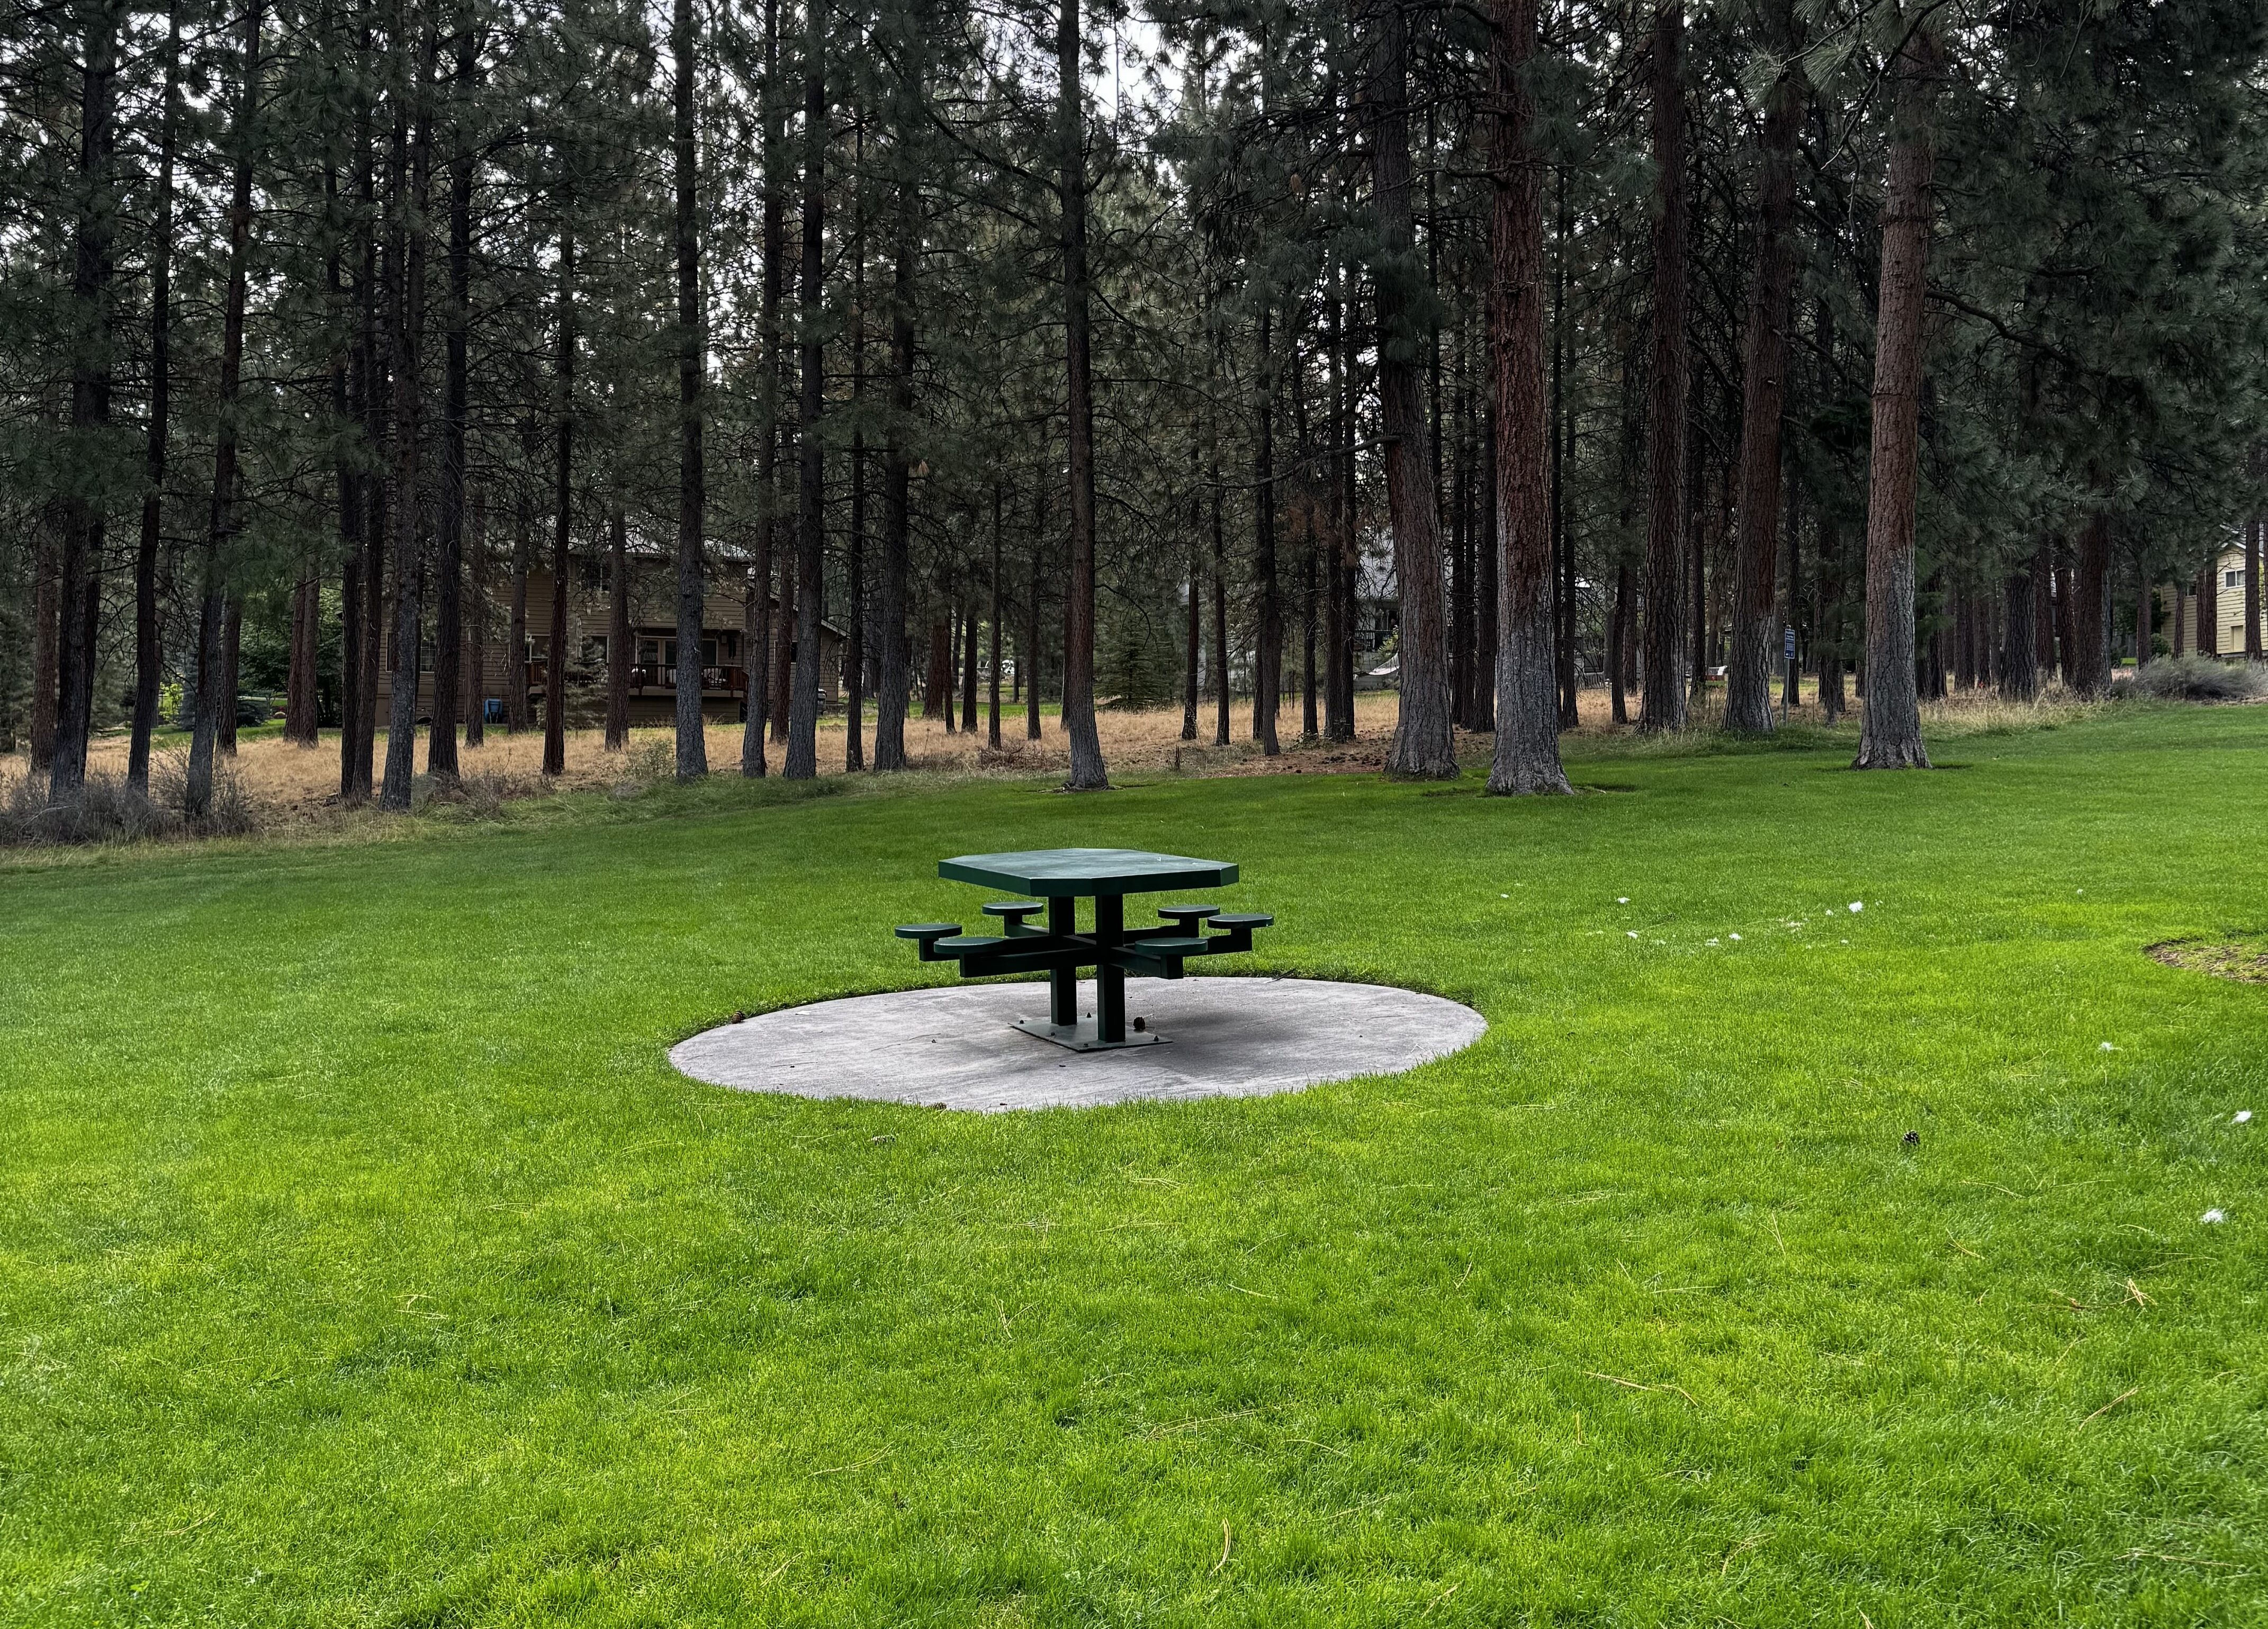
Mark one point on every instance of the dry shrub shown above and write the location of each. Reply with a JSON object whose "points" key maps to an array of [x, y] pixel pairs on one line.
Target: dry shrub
{"points": [[229, 815], [2193, 678], [106, 809]]}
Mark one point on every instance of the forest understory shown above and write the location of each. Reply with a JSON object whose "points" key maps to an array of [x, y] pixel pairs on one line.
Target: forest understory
{"points": [[282, 786]]}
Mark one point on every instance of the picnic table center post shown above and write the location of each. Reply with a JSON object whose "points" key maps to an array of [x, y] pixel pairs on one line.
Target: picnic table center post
{"points": [[1063, 982], [1109, 977]]}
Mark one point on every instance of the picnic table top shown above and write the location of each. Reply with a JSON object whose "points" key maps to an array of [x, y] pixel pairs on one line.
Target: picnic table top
{"points": [[1074, 873]]}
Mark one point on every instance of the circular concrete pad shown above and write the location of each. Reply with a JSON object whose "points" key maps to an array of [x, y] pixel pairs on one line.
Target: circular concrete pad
{"points": [[952, 1048]]}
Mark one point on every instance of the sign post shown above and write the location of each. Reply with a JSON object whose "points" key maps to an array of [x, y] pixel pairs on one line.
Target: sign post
{"points": [[1787, 646]]}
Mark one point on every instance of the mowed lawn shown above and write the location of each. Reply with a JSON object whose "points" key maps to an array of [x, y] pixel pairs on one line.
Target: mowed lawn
{"points": [[363, 1261]]}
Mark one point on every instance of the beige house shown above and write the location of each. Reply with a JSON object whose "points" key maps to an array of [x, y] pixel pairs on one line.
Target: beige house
{"points": [[651, 653], [2211, 605]]}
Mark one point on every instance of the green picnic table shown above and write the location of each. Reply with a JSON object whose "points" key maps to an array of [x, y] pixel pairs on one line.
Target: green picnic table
{"points": [[1056, 879]]}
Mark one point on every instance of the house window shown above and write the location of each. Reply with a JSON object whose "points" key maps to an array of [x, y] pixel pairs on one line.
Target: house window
{"points": [[2233, 578], [649, 653]]}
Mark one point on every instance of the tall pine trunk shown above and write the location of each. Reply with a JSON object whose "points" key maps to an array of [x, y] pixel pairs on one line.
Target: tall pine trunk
{"points": [[1423, 746], [811, 453], [1663, 704], [148, 649], [757, 710], [1088, 772], [2090, 669], [562, 496], [358, 739], [204, 738], [96, 210], [1527, 753], [449, 567], [894, 682], [1268, 637], [1763, 386], [854, 562], [692, 353], [411, 172], [477, 621], [515, 719], [1193, 633], [1890, 733], [2019, 655], [618, 629]]}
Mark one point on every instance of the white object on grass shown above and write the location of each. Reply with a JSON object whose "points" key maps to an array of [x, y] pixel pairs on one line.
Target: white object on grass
{"points": [[1858, 905], [2214, 1216], [2240, 1117], [2107, 1047]]}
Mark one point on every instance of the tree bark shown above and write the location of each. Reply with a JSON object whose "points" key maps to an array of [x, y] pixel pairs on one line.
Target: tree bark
{"points": [[1890, 733], [2019, 656], [1035, 652], [232, 671], [1221, 687], [2252, 595], [1424, 745], [516, 718], [992, 698], [1663, 706], [411, 172], [449, 566], [1763, 387], [968, 639], [367, 584], [2208, 608], [204, 738], [802, 758], [890, 615], [618, 654], [692, 367], [1563, 435], [300, 684], [2091, 668], [854, 650], [149, 647], [1088, 772], [96, 210], [563, 497], [1268, 637], [759, 640], [1525, 757], [476, 640], [1193, 637]]}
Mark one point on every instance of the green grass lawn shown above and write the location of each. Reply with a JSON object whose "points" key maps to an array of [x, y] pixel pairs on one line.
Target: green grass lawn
{"points": [[363, 1262]]}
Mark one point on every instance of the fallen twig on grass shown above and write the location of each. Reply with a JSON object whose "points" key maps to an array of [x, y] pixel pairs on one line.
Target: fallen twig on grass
{"points": [[1742, 1549], [1192, 1425], [1227, 1542], [1640, 1386], [2113, 1403], [861, 1465]]}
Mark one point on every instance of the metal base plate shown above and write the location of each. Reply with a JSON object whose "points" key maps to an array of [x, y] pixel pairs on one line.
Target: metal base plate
{"points": [[1082, 1036]]}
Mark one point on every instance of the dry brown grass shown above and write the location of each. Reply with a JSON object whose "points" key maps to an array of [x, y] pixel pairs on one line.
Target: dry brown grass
{"points": [[287, 786]]}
